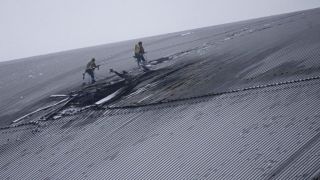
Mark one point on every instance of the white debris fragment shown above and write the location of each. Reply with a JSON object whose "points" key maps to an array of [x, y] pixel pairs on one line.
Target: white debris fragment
{"points": [[70, 111], [185, 34], [110, 97], [57, 117], [140, 90], [145, 98], [58, 95], [38, 110]]}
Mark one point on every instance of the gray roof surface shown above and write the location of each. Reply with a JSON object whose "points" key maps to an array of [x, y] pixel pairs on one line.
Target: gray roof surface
{"points": [[237, 101]]}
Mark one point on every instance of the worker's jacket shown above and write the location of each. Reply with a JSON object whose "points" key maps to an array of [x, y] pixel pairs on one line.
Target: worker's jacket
{"points": [[138, 49], [91, 65]]}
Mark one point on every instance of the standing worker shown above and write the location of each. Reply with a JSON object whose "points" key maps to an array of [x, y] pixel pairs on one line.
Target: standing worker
{"points": [[138, 53], [91, 66]]}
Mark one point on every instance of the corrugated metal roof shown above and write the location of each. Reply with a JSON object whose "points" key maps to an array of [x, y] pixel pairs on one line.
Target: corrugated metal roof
{"points": [[212, 119]]}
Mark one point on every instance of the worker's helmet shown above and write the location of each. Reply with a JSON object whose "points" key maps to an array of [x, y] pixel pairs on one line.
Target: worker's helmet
{"points": [[140, 42], [93, 59]]}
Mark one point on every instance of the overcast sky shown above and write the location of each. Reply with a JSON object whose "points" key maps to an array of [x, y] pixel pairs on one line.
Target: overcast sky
{"points": [[34, 27]]}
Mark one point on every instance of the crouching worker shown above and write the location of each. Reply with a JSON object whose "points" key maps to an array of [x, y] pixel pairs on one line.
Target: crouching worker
{"points": [[91, 66]]}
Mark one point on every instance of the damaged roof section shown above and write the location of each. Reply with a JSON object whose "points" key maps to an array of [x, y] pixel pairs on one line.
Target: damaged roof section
{"points": [[262, 134]]}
